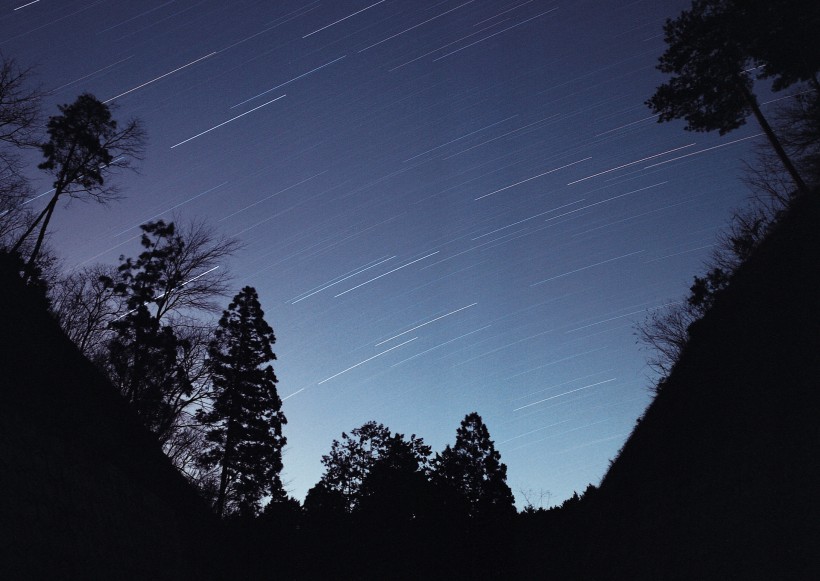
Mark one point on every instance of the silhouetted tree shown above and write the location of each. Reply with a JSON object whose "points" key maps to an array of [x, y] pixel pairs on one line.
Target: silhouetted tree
{"points": [[374, 511], [180, 268], [85, 306], [473, 468], [667, 329], [574, 501], [323, 502], [13, 215], [396, 488], [797, 123], [157, 355], [284, 510], [703, 290], [19, 120], [144, 366], [713, 49], [244, 424], [666, 332], [19, 107], [709, 53], [84, 144], [781, 38], [352, 459]]}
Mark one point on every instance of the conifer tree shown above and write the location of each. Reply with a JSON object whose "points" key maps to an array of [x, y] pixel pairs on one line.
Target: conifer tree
{"points": [[473, 469], [712, 49], [397, 489], [244, 426], [144, 365], [85, 144], [157, 351]]}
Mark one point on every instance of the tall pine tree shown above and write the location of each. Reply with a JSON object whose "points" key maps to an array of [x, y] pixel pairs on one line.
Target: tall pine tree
{"points": [[85, 144], [244, 425], [712, 49], [473, 469]]}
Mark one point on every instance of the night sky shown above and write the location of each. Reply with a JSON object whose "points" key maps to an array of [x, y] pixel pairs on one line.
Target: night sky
{"points": [[446, 206]]}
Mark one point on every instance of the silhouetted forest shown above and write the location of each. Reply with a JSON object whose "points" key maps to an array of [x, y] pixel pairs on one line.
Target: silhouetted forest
{"points": [[142, 439]]}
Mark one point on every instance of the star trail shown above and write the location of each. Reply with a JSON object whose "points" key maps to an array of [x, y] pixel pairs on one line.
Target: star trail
{"points": [[445, 206]]}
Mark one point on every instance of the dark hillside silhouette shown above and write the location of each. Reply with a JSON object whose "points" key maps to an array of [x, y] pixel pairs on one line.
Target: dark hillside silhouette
{"points": [[719, 479], [85, 490]]}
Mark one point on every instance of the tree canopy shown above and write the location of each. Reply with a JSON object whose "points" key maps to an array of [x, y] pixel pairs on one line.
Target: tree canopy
{"points": [[158, 349], [354, 458], [85, 143], [713, 49], [780, 36], [244, 424], [472, 467], [710, 86]]}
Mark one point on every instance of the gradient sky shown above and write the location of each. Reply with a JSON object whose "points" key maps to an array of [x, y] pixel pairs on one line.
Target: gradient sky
{"points": [[446, 206]]}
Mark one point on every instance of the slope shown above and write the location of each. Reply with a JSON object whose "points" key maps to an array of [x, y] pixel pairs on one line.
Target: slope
{"points": [[719, 478], [85, 491]]}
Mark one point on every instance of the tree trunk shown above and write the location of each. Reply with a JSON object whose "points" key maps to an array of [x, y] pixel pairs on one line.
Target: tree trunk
{"points": [[774, 141], [49, 212], [223, 480], [30, 229]]}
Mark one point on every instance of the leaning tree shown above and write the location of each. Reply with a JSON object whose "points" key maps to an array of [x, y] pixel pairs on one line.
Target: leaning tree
{"points": [[713, 50], [85, 143]]}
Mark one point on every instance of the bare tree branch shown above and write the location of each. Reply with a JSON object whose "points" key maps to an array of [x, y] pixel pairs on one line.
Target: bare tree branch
{"points": [[19, 123], [197, 275], [85, 306], [19, 105]]}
